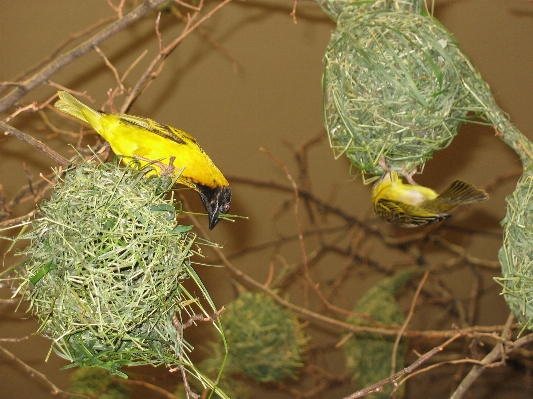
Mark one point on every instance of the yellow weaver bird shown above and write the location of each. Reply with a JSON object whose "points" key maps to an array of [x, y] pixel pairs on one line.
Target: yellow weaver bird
{"points": [[133, 135], [412, 205]]}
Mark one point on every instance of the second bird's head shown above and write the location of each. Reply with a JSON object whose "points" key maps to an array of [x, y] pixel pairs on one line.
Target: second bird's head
{"points": [[217, 201]]}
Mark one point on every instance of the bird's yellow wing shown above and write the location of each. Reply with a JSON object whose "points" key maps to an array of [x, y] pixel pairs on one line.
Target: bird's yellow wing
{"points": [[168, 132], [130, 135], [405, 215]]}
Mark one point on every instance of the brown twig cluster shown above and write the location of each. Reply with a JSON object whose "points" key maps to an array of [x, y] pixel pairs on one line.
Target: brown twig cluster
{"points": [[412, 246]]}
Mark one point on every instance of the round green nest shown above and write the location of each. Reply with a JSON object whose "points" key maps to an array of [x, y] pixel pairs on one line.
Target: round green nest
{"points": [[265, 340], [393, 86], [105, 267], [516, 254]]}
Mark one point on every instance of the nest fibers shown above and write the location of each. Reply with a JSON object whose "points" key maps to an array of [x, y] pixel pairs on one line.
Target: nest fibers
{"points": [[393, 86], [516, 254], [105, 268]]}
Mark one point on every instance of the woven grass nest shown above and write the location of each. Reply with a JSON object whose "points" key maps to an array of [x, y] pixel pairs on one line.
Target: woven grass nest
{"points": [[393, 86], [105, 267], [516, 254], [266, 341]]}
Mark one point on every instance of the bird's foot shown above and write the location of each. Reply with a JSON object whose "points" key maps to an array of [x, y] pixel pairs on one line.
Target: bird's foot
{"points": [[409, 175], [383, 164]]}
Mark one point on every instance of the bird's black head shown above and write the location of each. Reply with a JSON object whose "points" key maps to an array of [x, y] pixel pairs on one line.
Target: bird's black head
{"points": [[216, 200]]}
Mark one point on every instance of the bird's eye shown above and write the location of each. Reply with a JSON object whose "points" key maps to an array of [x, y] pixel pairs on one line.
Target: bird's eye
{"points": [[224, 208]]}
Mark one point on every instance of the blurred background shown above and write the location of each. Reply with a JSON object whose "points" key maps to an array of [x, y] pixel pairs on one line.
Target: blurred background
{"points": [[248, 78]]}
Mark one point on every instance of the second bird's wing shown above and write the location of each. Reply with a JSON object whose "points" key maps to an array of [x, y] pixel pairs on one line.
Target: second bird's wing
{"points": [[406, 215], [460, 192]]}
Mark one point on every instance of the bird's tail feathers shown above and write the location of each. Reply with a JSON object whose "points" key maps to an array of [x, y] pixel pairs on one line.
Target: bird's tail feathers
{"points": [[69, 104], [459, 193]]}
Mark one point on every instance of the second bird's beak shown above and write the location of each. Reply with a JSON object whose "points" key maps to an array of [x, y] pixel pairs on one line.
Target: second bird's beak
{"points": [[216, 201]]}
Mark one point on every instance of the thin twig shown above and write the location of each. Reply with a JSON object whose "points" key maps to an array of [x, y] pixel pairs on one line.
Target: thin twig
{"points": [[75, 92], [10, 130], [133, 65], [110, 66], [117, 9], [39, 377], [187, 5], [378, 387], [29, 107], [412, 374], [54, 129], [152, 387], [14, 340], [17, 220], [498, 352], [202, 32], [407, 320], [293, 12], [23, 195]]}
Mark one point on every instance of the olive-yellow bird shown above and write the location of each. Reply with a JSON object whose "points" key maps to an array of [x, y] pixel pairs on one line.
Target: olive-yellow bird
{"points": [[411, 205], [133, 135]]}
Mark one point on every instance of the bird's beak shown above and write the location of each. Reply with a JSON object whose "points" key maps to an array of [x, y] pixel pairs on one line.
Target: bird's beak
{"points": [[216, 201]]}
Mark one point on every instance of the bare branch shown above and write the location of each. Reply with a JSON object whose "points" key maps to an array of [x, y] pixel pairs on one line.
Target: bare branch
{"points": [[39, 377], [407, 320], [378, 387], [10, 130], [110, 66], [65, 59], [499, 351], [31, 107], [117, 9], [147, 385]]}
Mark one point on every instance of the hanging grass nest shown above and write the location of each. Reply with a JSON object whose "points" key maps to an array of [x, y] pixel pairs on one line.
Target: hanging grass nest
{"points": [[393, 85], [265, 341], [516, 254], [105, 267]]}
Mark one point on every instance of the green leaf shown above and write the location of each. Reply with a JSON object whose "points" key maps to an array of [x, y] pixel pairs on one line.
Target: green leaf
{"points": [[42, 271]]}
